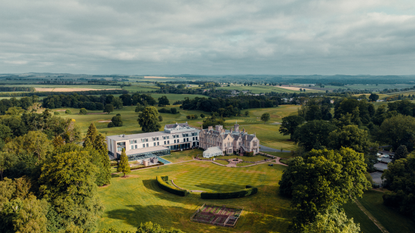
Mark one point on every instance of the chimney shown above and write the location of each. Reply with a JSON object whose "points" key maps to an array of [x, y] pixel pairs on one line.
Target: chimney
{"points": [[218, 128], [210, 128], [236, 127]]}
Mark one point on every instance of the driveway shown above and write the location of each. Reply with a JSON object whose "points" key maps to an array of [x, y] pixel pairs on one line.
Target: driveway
{"points": [[269, 149]]}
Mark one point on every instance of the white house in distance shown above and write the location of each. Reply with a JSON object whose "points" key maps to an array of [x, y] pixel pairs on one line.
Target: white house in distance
{"points": [[137, 146]]}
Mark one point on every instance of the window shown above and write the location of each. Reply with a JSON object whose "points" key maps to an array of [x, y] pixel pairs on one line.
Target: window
{"points": [[144, 145], [174, 141], [154, 144], [132, 147], [164, 142], [168, 142], [133, 141], [135, 146]]}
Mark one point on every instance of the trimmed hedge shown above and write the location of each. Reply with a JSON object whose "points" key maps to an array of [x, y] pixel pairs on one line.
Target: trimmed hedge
{"points": [[162, 182], [248, 191]]}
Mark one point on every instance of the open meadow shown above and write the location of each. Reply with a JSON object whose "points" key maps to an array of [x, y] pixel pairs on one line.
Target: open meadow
{"points": [[138, 199]]}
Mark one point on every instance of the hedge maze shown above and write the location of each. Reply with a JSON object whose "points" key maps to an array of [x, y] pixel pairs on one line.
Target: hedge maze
{"points": [[217, 215]]}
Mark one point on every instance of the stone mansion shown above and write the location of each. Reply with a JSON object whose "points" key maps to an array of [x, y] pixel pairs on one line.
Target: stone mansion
{"points": [[229, 141]]}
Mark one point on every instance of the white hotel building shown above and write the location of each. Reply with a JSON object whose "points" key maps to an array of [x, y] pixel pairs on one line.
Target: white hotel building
{"points": [[144, 145]]}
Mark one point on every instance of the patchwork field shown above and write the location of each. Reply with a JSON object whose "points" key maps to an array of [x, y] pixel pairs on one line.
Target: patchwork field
{"points": [[131, 201]]}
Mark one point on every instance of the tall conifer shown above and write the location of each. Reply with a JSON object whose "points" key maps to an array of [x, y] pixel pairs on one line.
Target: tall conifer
{"points": [[124, 167]]}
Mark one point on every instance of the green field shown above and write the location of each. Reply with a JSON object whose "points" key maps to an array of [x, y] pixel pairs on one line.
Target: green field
{"points": [[369, 86], [372, 201], [136, 199], [66, 86], [257, 89]]}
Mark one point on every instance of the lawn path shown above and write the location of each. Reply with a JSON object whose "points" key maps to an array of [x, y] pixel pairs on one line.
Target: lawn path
{"points": [[370, 216]]}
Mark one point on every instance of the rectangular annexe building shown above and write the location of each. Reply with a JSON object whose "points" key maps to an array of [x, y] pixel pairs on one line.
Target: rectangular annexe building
{"points": [[174, 137]]}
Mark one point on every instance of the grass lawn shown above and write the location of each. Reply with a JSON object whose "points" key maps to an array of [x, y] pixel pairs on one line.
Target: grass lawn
{"points": [[245, 158], [182, 156], [222, 162], [366, 225], [137, 199], [393, 221], [269, 135], [243, 164]]}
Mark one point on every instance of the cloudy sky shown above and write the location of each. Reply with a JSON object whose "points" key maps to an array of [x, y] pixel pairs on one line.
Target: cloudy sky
{"points": [[208, 37]]}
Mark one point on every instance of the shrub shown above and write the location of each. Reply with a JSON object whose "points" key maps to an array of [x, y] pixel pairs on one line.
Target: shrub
{"points": [[164, 110], [110, 125], [173, 110], [68, 111], [249, 154], [55, 113], [248, 191], [162, 183], [83, 111]]}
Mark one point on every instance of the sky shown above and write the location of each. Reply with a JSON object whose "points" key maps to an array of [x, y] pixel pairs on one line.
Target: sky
{"points": [[209, 37]]}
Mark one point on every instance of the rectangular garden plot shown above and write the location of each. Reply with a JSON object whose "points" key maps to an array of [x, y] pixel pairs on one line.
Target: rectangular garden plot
{"points": [[217, 215]]}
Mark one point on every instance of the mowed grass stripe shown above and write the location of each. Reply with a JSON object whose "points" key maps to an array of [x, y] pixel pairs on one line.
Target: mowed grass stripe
{"points": [[131, 201]]}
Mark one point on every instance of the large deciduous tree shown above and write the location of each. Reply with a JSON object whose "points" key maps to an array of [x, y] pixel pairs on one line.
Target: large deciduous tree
{"points": [[20, 210], [398, 130], [332, 220], [314, 134], [163, 101], [289, 125], [265, 117], [148, 119], [109, 108], [321, 179], [67, 182]]}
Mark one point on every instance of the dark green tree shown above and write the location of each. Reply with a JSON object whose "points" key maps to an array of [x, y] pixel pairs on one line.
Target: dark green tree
{"points": [[117, 103], [265, 117], [20, 210], [314, 134], [160, 118], [108, 108], [116, 120], [123, 165], [163, 101], [289, 125], [401, 152], [398, 130], [373, 97], [83, 111], [148, 119]]}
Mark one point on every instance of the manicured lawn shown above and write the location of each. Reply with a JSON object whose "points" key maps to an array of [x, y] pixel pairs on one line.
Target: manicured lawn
{"points": [[136, 199], [269, 135], [181, 156], [243, 164], [245, 158], [222, 162]]}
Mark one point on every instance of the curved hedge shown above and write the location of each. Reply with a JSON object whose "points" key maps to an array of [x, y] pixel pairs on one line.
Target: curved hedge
{"points": [[248, 191], [162, 182]]}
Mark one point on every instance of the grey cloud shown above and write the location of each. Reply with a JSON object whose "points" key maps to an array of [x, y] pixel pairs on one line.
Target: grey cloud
{"points": [[208, 37]]}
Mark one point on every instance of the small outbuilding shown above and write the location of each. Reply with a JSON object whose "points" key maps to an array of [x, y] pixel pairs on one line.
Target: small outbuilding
{"points": [[212, 152]]}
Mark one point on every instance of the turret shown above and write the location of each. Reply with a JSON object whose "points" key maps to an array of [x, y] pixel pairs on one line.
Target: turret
{"points": [[236, 127]]}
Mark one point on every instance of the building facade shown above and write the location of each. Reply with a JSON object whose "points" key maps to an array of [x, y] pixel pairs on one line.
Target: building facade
{"points": [[174, 137], [229, 141]]}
